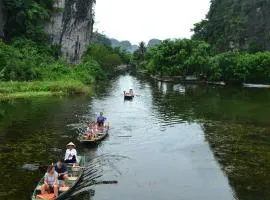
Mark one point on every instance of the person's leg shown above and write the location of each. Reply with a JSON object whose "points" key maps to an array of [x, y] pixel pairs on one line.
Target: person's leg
{"points": [[43, 189], [73, 160], [55, 190], [65, 178], [68, 161]]}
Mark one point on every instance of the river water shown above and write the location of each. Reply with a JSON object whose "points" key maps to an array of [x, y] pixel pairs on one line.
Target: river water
{"points": [[177, 141]]}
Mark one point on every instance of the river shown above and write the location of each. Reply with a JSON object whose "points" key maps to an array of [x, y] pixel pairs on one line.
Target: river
{"points": [[177, 141]]}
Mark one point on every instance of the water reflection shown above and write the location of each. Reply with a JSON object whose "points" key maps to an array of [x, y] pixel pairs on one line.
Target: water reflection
{"points": [[236, 125], [183, 141]]}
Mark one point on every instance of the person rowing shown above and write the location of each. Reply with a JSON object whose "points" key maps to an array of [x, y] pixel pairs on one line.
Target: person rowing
{"points": [[131, 92], [71, 154], [101, 120]]}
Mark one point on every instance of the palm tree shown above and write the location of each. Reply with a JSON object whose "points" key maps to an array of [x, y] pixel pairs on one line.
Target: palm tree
{"points": [[140, 52]]}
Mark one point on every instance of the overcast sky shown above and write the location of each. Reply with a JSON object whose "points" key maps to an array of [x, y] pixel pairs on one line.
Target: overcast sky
{"points": [[141, 20]]}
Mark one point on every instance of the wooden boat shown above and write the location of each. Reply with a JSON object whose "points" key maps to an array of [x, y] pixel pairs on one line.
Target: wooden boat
{"points": [[74, 176], [248, 85], [128, 96], [100, 136]]}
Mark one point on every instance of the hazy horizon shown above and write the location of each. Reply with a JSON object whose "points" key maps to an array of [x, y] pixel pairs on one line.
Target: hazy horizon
{"points": [[140, 20]]}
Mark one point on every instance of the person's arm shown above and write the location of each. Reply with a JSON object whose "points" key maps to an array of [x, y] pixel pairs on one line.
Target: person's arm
{"points": [[56, 179], [66, 171], [46, 179], [75, 152], [66, 155]]}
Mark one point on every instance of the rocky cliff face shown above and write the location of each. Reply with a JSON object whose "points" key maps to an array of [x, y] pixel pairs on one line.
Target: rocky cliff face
{"points": [[242, 24], [71, 27]]}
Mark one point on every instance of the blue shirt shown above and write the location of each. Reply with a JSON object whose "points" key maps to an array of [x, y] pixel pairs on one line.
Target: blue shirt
{"points": [[61, 170], [101, 119]]}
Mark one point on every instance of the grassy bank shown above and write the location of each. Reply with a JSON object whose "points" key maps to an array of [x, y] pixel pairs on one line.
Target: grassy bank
{"points": [[16, 89], [30, 69]]}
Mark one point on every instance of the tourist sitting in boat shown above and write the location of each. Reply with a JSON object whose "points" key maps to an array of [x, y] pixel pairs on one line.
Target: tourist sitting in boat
{"points": [[130, 93], [101, 120], [91, 132], [71, 153], [87, 135], [62, 171], [50, 182]]}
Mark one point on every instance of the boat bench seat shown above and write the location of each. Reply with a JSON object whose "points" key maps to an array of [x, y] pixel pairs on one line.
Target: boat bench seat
{"points": [[72, 178]]}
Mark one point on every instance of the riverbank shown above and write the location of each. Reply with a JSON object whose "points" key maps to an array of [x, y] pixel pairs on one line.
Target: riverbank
{"points": [[195, 80], [17, 89], [180, 79]]}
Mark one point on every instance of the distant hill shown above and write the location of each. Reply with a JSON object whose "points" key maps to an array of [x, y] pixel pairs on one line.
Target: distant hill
{"points": [[153, 42], [98, 38], [125, 45]]}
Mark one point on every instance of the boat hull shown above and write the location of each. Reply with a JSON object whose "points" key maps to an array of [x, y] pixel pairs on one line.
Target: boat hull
{"points": [[101, 136], [128, 97], [73, 183]]}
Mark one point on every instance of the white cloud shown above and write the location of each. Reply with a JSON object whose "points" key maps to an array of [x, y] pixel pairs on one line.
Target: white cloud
{"points": [[141, 20]]}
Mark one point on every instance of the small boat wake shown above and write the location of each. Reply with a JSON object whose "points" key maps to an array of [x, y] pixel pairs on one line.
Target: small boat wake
{"points": [[92, 175]]}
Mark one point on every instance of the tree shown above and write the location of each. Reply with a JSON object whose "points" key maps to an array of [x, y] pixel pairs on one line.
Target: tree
{"points": [[140, 53]]}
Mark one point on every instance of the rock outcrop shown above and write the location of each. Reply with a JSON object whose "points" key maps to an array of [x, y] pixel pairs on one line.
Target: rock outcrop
{"points": [[153, 42], [71, 27], [124, 45], [241, 24]]}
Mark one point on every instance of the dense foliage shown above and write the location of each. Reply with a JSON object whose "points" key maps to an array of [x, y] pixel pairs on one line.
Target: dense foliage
{"points": [[25, 60], [237, 24], [27, 18], [194, 57]]}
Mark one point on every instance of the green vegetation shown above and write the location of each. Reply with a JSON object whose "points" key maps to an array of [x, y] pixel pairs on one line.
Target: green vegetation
{"points": [[17, 89], [36, 65], [231, 25], [30, 65], [230, 45], [193, 57], [27, 18]]}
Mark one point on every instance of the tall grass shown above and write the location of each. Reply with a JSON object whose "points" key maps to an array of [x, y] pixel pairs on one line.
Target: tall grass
{"points": [[61, 87]]}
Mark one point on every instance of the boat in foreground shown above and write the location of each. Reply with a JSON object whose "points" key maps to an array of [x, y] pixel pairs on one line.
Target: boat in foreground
{"points": [[74, 176], [99, 136]]}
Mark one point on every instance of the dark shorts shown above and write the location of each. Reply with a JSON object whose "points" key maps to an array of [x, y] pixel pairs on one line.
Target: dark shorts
{"points": [[61, 177], [50, 189], [73, 160]]}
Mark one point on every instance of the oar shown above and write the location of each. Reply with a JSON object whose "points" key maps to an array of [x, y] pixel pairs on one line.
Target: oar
{"points": [[86, 188]]}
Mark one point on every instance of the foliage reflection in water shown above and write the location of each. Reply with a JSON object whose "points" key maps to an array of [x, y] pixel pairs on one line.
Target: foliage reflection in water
{"points": [[176, 133]]}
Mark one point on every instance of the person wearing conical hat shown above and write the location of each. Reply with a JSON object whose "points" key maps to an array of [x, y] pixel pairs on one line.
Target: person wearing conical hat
{"points": [[71, 153]]}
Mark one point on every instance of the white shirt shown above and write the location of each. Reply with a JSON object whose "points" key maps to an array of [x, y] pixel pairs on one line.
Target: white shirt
{"points": [[70, 153]]}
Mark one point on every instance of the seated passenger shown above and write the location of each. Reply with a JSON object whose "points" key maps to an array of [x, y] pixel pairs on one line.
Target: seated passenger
{"points": [[50, 182], [71, 153], [62, 171]]}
